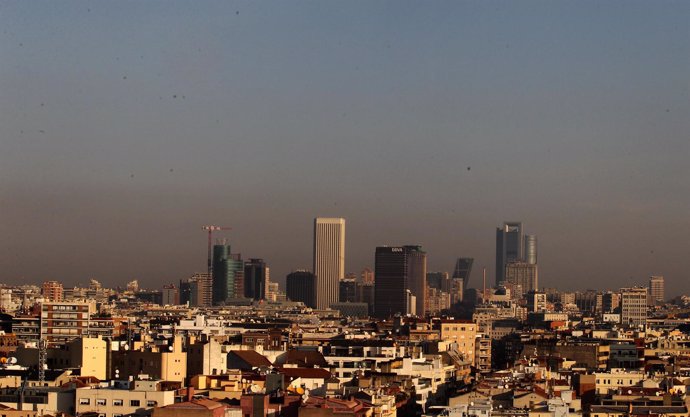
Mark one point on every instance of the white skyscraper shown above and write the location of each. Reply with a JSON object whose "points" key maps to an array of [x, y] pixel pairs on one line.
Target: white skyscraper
{"points": [[329, 259]]}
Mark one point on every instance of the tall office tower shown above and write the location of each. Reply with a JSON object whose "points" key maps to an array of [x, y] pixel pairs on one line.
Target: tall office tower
{"points": [[53, 291], [300, 286], [531, 249], [656, 290], [509, 247], [522, 275], [255, 279], [633, 306], [228, 274], [329, 259], [438, 280], [400, 276], [367, 276], [463, 269]]}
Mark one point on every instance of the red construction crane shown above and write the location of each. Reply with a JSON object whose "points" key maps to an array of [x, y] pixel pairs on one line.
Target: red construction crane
{"points": [[210, 230]]}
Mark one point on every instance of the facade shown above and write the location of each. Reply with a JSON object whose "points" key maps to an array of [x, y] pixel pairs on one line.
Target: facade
{"points": [[347, 291], [53, 291], [523, 276], [656, 290], [62, 322], [114, 402], [509, 247], [531, 249], [633, 306], [400, 275], [170, 295], [200, 290], [329, 259], [301, 286], [228, 271], [255, 279]]}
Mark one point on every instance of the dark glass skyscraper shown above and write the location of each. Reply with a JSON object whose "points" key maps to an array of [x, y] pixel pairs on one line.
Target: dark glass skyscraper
{"points": [[400, 273], [509, 247], [300, 286], [255, 279], [463, 269], [228, 271]]}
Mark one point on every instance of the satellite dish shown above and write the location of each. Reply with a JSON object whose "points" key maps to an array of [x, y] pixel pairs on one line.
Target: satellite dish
{"points": [[254, 388], [126, 347], [12, 360]]}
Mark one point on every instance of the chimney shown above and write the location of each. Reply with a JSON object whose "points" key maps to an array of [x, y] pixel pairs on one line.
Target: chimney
{"points": [[190, 393], [667, 400]]}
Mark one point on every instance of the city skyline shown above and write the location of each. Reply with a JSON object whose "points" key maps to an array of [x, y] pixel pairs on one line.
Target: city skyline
{"points": [[123, 128]]}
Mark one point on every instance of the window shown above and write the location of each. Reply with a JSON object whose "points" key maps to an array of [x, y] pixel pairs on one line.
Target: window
{"points": [[100, 401], [84, 401], [151, 403], [134, 403], [118, 403]]}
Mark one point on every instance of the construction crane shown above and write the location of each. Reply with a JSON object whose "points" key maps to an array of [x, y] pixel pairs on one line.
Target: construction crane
{"points": [[210, 230]]}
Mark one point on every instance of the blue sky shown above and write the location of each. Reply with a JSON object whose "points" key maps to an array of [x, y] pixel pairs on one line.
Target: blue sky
{"points": [[125, 126]]}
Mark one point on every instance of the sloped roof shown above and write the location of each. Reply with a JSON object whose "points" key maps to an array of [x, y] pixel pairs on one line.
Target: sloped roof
{"points": [[252, 358]]}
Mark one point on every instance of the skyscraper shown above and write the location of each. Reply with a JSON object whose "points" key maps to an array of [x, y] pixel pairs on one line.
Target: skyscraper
{"points": [[228, 272], [510, 247], [656, 290], [531, 249], [300, 287], [463, 269], [521, 276], [329, 259], [255, 279], [400, 275]]}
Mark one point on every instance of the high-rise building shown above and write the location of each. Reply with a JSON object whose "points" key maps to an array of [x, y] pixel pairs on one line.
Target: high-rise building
{"points": [[463, 269], [228, 272], [521, 275], [53, 291], [400, 276], [531, 249], [438, 280], [300, 286], [656, 290], [200, 290], [170, 295], [255, 279], [347, 291], [509, 247], [329, 259], [633, 306]]}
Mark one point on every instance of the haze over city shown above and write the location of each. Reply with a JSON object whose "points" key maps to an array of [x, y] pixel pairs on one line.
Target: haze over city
{"points": [[126, 126]]}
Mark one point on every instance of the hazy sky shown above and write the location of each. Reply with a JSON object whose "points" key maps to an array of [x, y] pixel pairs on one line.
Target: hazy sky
{"points": [[127, 125]]}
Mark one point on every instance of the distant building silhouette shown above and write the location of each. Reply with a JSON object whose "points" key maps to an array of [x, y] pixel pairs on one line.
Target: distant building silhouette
{"points": [[509, 247], [228, 275], [300, 286], [255, 279], [656, 290], [400, 278], [463, 270]]}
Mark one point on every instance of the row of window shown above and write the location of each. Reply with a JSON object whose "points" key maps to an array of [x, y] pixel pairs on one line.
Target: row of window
{"points": [[117, 403]]}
